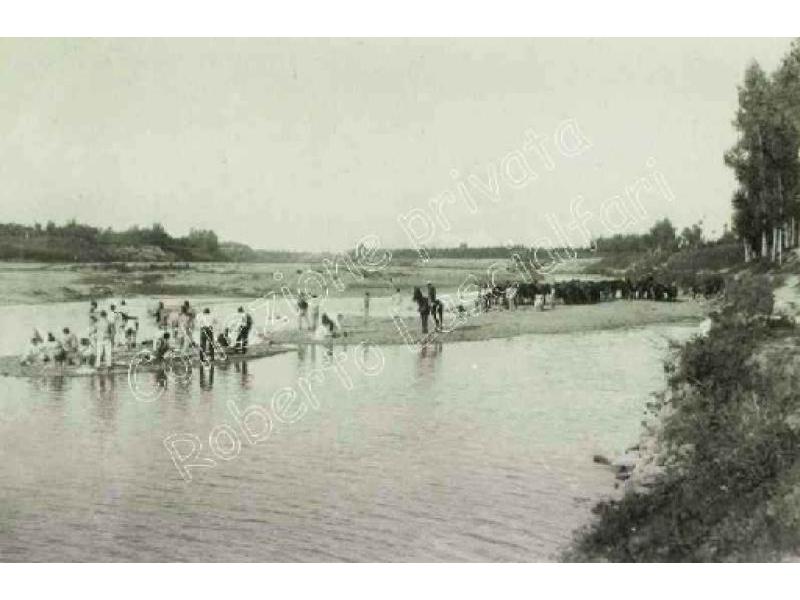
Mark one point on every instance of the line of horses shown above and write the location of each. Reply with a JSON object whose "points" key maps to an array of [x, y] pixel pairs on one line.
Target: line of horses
{"points": [[591, 292], [575, 291]]}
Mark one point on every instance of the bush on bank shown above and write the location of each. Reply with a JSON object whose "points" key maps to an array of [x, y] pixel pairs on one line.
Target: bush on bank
{"points": [[729, 429]]}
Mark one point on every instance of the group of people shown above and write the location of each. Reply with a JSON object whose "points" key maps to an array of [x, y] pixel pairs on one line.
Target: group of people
{"points": [[184, 329], [114, 329], [312, 317], [106, 330]]}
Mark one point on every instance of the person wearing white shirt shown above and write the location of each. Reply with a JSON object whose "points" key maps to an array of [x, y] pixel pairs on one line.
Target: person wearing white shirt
{"points": [[33, 353], [105, 340], [397, 301]]}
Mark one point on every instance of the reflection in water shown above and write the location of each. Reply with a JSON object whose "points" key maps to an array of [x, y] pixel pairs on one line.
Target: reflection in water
{"points": [[207, 383], [240, 366], [160, 379], [105, 400], [55, 386], [429, 355], [443, 456]]}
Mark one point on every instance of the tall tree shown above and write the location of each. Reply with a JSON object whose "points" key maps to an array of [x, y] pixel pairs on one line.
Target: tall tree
{"points": [[787, 96], [765, 162]]}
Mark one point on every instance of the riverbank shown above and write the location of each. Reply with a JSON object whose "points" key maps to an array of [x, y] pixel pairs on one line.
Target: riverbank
{"points": [[717, 476], [510, 323]]}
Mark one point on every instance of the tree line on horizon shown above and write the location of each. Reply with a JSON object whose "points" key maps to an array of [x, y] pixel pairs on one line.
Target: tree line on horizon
{"points": [[76, 242]]}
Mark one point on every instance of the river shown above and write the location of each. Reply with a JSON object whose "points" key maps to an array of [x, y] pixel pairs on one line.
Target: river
{"points": [[473, 451]]}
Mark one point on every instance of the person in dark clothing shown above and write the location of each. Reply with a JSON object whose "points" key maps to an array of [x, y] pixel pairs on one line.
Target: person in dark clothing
{"points": [[245, 326], [162, 346], [435, 306], [159, 314], [223, 339], [206, 335], [328, 323], [424, 308], [431, 293]]}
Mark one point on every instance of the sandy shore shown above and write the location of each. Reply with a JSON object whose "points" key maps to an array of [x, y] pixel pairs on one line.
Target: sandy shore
{"points": [[526, 320]]}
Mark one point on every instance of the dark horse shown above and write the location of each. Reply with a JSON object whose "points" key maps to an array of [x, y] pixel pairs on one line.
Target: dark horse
{"points": [[427, 308]]}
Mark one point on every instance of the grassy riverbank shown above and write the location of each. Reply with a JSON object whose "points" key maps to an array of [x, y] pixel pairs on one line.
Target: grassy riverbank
{"points": [[719, 478]]}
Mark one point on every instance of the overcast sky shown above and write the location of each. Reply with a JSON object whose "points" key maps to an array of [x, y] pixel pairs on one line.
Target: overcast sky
{"points": [[312, 144]]}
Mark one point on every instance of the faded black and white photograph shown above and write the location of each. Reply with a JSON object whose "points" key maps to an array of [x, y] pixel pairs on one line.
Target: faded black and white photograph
{"points": [[396, 299]]}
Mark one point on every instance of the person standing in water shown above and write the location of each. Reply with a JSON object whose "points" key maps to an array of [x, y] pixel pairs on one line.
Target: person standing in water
{"points": [[314, 312], [105, 341], [366, 306], [92, 335], [397, 301], [302, 312], [113, 318], [245, 325], [206, 323]]}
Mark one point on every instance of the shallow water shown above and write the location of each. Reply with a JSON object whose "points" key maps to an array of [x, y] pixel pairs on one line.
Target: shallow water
{"points": [[469, 451]]}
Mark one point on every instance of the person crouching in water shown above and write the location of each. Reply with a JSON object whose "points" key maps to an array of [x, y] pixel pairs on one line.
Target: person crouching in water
{"points": [[206, 323], [52, 349], [105, 341], [70, 347], [87, 352], [130, 335], [162, 347], [223, 339], [328, 326], [33, 353]]}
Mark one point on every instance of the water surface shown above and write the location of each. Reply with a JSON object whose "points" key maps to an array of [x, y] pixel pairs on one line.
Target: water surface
{"points": [[476, 451]]}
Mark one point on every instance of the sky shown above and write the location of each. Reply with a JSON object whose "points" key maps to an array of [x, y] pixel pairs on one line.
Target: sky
{"points": [[304, 144]]}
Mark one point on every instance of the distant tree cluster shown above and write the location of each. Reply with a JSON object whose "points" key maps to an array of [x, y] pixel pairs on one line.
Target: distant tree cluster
{"points": [[662, 237], [77, 242], [765, 158], [478, 252]]}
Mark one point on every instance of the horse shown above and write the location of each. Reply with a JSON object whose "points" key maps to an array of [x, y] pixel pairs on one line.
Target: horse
{"points": [[426, 308]]}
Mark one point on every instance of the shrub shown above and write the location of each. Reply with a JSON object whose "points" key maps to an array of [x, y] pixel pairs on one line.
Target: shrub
{"points": [[730, 436]]}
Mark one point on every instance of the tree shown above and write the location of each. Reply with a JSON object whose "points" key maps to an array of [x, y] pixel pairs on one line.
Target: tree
{"points": [[663, 235], [204, 240], [787, 97], [692, 237], [764, 161]]}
